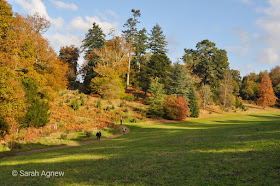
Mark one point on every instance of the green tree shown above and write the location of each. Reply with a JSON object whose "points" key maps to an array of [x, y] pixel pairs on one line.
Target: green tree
{"points": [[156, 67], [94, 39], [38, 111], [70, 55], [237, 82], [274, 75], [193, 103], [178, 81], [157, 40], [249, 89], [129, 34], [156, 101], [207, 62]]}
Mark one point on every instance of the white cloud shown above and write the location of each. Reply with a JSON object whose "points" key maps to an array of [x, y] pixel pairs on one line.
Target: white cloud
{"points": [[248, 2], [112, 13], [59, 40], [270, 23], [61, 4], [241, 51], [37, 6], [85, 24], [269, 56]]}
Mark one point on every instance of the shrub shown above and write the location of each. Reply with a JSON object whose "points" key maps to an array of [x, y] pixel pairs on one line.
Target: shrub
{"points": [[61, 103], [83, 102], [88, 134], [129, 98], [156, 101], [238, 103], [75, 104], [98, 104], [113, 107], [63, 136], [4, 127], [175, 108], [108, 108], [193, 103]]}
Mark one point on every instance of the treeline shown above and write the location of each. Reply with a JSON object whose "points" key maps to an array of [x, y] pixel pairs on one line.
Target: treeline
{"points": [[30, 71], [139, 59]]}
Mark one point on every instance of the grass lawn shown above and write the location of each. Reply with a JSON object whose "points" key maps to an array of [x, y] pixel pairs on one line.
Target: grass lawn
{"points": [[240, 149]]}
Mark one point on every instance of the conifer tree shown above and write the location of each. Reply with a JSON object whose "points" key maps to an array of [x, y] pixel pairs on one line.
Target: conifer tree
{"points": [[266, 94], [156, 100], [158, 41], [193, 103]]}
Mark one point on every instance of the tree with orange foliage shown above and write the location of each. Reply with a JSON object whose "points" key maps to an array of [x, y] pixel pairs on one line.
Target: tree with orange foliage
{"points": [[266, 94]]}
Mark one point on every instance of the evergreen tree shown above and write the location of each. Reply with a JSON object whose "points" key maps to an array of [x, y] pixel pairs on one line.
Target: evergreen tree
{"points": [[156, 101], [266, 94], [178, 81], [37, 114], [158, 66], [193, 103], [94, 39], [157, 40], [207, 62]]}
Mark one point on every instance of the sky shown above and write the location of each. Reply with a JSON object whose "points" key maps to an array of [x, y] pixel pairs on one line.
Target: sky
{"points": [[249, 30]]}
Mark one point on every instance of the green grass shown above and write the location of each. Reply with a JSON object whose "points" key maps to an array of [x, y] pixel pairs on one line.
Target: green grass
{"points": [[235, 150]]}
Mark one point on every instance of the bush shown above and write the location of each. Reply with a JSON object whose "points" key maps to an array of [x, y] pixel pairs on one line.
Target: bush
{"points": [[75, 104], [61, 103], [238, 103], [63, 136], [4, 127], [175, 108], [113, 107], [88, 134], [83, 102], [129, 98], [108, 108], [193, 103], [98, 104]]}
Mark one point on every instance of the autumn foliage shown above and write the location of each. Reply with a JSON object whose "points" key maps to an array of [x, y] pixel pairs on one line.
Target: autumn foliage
{"points": [[266, 94], [25, 54], [175, 108]]}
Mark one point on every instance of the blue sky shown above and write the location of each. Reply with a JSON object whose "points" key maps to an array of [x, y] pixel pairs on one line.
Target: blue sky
{"points": [[248, 29]]}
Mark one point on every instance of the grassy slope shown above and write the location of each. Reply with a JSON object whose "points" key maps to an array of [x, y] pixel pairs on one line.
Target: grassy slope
{"points": [[218, 150]]}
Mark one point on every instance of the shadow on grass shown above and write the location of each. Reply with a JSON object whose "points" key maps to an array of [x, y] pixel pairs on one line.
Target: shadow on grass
{"points": [[230, 153]]}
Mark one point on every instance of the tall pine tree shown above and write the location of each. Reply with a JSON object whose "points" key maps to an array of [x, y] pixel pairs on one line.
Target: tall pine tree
{"points": [[157, 40]]}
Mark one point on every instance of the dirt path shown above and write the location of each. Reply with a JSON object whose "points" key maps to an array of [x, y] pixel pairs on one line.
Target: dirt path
{"points": [[61, 146]]}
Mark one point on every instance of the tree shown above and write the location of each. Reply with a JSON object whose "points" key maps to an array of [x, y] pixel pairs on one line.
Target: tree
{"points": [[156, 100], [205, 94], [157, 67], [38, 110], [266, 94], [175, 107], [226, 90], [111, 66], [250, 87], [236, 80], [274, 75], [157, 40], [94, 39], [207, 62], [178, 81], [193, 103], [129, 34], [70, 55]]}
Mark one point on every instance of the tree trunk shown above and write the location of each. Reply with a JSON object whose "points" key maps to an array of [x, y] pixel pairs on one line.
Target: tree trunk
{"points": [[128, 71]]}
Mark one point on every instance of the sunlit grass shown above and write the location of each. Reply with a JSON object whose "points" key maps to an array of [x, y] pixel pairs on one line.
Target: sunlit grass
{"points": [[240, 149]]}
